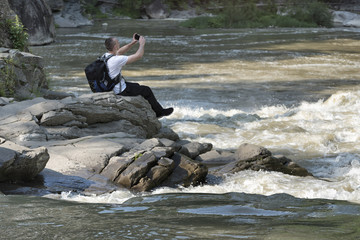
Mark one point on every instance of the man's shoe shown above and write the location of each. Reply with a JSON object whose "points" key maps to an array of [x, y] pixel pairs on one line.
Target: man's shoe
{"points": [[165, 112]]}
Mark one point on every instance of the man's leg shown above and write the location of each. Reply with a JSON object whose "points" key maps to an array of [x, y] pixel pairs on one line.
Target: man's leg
{"points": [[134, 89]]}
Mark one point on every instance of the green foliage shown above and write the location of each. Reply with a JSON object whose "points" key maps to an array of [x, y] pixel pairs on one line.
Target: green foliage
{"points": [[7, 79], [131, 8], [91, 9], [135, 8], [311, 12], [204, 22], [18, 34], [137, 156], [247, 14]]}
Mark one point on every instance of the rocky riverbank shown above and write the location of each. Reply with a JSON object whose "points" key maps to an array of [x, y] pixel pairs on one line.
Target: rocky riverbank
{"points": [[98, 143]]}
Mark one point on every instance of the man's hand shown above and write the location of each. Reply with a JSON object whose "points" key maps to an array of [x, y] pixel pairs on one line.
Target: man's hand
{"points": [[142, 40]]}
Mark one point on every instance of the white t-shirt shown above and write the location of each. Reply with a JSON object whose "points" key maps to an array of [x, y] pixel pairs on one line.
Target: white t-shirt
{"points": [[115, 65]]}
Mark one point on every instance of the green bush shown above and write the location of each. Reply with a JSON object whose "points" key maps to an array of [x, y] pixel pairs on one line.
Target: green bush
{"points": [[246, 14], [7, 79], [308, 11], [135, 8], [320, 14], [18, 34], [204, 22]]}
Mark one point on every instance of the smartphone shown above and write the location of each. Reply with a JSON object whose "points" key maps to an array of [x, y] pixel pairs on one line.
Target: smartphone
{"points": [[137, 36]]}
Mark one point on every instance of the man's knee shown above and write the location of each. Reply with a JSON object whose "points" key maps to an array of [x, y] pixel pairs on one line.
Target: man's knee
{"points": [[146, 91]]}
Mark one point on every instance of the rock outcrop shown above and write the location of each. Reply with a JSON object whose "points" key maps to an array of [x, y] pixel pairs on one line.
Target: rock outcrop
{"points": [[153, 163], [101, 142], [37, 18], [157, 10], [346, 19], [70, 14], [21, 74], [90, 114]]}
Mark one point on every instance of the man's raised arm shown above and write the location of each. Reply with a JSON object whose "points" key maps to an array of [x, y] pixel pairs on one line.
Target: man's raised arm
{"points": [[139, 53], [127, 47]]}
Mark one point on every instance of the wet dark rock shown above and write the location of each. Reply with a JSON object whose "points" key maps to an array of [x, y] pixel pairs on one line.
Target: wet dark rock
{"points": [[148, 166], [216, 158], [187, 172], [194, 149], [248, 151], [256, 158], [136, 170]]}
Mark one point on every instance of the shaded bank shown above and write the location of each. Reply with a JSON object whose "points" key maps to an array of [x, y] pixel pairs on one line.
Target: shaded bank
{"points": [[253, 14]]}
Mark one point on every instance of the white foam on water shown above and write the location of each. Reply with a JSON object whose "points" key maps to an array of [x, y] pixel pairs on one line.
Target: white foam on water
{"points": [[116, 197], [269, 183], [319, 128], [251, 182]]}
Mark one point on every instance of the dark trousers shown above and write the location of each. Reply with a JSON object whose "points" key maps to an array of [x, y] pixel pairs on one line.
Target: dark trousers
{"points": [[135, 89]]}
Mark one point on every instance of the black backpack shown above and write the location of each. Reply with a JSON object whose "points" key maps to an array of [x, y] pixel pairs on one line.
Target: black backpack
{"points": [[97, 74]]}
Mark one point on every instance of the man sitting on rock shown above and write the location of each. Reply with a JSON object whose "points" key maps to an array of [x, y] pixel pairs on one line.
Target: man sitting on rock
{"points": [[119, 60]]}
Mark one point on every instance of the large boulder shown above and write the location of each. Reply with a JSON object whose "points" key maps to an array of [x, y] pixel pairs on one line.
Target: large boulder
{"points": [[18, 163], [157, 10], [71, 15], [89, 114], [22, 74], [37, 18]]}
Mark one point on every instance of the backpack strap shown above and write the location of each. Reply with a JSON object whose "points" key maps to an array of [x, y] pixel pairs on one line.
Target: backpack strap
{"points": [[108, 81], [118, 77]]}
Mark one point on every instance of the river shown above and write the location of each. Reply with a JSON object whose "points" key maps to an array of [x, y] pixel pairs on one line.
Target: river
{"points": [[293, 91]]}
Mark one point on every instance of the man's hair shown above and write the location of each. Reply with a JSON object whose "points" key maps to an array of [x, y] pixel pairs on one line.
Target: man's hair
{"points": [[110, 43]]}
